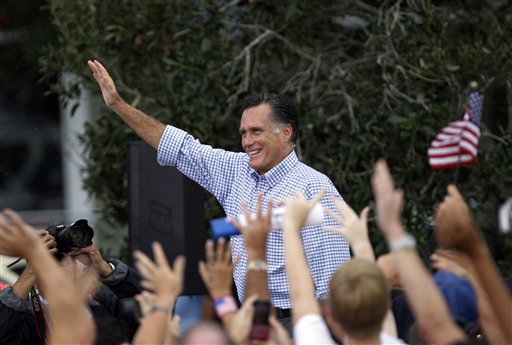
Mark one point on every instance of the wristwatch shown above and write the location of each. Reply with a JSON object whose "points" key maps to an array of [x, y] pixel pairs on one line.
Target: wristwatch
{"points": [[256, 265], [406, 241], [112, 266]]}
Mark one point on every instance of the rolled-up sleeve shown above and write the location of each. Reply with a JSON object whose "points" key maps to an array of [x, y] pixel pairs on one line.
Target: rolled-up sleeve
{"points": [[169, 146]]}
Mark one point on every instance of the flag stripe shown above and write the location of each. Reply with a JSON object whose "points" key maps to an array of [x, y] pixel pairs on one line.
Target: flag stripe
{"points": [[457, 144]]}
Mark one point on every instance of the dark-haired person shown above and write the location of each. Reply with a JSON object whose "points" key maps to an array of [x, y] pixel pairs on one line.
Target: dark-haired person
{"points": [[22, 323], [17, 316], [269, 128]]}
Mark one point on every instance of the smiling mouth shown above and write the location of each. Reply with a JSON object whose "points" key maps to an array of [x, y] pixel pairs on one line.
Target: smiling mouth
{"points": [[253, 152]]}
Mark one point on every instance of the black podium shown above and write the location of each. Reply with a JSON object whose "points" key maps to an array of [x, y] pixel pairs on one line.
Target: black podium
{"points": [[166, 206]]}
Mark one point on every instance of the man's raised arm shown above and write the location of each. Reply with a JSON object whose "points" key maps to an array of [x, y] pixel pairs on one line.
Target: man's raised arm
{"points": [[149, 129]]}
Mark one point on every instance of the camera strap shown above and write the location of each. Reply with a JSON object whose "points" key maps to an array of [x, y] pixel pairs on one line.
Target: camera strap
{"points": [[38, 314]]}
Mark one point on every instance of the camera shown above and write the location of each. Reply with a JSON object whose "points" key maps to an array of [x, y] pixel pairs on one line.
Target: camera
{"points": [[77, 235]]}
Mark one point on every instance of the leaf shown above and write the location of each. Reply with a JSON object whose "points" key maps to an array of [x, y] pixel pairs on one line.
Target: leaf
{"points": [[396, 119], [452, 68]]}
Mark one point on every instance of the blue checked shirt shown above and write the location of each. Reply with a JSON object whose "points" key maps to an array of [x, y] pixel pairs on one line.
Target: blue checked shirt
{"points": [[228, 176]]}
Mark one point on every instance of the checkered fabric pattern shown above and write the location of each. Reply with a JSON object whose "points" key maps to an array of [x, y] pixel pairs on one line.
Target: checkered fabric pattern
{"points": [[228, 176]]}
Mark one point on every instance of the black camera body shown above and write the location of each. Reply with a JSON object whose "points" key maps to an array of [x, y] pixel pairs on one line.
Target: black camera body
{"points": [[77, 235]]}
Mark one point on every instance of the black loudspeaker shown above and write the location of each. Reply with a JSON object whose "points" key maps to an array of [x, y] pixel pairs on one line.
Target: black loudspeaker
{"points": [[167, 207]]}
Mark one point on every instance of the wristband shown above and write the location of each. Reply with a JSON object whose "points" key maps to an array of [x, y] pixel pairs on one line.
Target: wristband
{"points": [[158, 307], [257, 265], [225, 305], [406, 241]]}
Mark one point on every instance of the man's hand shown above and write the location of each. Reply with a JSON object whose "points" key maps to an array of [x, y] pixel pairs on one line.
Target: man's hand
{"points": [[48, 241], [256, 230], [298, 208], [91, 256], [352, 227], [108, 88], [455, 225], [158, 276], [388, 201], [17, 238], [67, 295], [217, 272], [239, 327]]}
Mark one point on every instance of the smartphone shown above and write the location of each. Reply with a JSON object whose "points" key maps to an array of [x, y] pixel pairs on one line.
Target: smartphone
{"points": [[260, 326]]}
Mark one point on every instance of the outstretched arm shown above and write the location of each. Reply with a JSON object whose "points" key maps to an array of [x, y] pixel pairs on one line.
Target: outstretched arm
{"points": [[217, 276], [426, 302], [146, 127], [166, 283], [302, 290], [486, 315], [457, 229], [255, 234]]}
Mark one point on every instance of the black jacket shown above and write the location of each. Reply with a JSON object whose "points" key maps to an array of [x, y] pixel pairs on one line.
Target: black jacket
{"points": [[17, 324]]}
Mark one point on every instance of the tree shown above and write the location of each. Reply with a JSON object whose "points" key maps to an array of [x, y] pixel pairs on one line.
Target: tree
{"points": [[372, 79]]}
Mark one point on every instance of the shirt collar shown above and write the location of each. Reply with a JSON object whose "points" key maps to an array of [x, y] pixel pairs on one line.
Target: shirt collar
{"points": [[275, 174]]}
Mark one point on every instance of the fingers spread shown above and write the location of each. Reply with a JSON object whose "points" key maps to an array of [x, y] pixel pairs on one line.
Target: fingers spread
{"points": [[160, 258]]}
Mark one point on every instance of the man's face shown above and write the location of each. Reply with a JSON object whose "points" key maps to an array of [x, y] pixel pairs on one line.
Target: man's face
{"points": [[265, 141]]}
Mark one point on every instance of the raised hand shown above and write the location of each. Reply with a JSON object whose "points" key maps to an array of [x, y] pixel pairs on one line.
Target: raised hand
{"points": [[239, 327], [455, 225], [388, 201], [66, 302], [256, 229], [298, 208], [158, 276], [48, 241], [108, 88], [255, 233], [17, 238], [91, 256], [352, 227], [217, 272]]}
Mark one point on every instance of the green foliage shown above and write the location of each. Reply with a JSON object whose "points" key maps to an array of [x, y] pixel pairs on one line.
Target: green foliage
{"points": [[372, 79]]}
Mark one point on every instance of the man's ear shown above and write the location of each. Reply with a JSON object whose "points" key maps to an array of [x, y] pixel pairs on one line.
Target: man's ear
{"points": [[287, 132]]}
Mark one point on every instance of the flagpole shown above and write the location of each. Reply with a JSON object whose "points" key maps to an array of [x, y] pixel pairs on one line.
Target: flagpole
{"points": [[456, 173]]}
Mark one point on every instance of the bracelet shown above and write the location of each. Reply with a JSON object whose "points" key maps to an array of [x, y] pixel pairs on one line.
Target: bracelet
{"points": [[158, 307], [256, 265], [225, 305], [406, 241]]}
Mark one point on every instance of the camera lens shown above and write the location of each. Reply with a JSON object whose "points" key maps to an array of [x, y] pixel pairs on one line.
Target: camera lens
{"points": [[77, 235]]}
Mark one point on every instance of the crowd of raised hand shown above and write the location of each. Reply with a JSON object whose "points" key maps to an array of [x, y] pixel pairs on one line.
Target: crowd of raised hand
{"points": [[359, 305]]}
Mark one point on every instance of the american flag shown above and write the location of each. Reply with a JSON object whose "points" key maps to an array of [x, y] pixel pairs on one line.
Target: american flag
{"points": [[457, 143]]}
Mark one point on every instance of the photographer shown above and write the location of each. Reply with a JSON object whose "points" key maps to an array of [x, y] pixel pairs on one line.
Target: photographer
{"points": [[18, 325], [25, 322]]}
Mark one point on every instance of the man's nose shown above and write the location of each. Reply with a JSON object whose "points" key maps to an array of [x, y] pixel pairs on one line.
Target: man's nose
{"points": [[247, 140]]}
